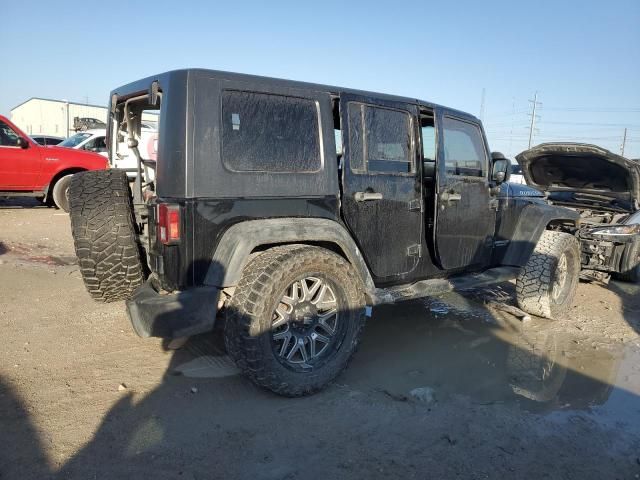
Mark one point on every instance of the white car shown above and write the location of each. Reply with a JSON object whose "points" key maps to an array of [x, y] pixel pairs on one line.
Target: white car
{"points": [[95, 141], [516, 174], [147, 146], [91, 140]]}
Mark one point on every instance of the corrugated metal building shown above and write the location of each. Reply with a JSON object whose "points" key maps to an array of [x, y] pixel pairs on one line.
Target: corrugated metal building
{"points": [[56, 117]]}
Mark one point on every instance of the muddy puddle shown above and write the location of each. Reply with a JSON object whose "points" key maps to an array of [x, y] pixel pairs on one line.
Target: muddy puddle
{"points": [[456, 346]]}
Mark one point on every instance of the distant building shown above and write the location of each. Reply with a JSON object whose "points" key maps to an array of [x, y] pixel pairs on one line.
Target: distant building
{"points": [[56, 117]]}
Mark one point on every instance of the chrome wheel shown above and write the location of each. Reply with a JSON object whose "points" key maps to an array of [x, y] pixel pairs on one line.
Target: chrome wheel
{"points": [[305, 324], [560, 280]]}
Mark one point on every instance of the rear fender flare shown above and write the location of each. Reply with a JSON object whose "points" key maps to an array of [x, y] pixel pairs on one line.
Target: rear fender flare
{"points": [[238, 241]]}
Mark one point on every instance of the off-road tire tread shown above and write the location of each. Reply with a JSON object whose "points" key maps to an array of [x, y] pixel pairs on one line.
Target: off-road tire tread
{"points": [[260, 279], [533, 284], [104, 234]]}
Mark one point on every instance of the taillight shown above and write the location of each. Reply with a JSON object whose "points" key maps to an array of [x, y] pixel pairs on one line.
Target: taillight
{"points": [[168, 223]]}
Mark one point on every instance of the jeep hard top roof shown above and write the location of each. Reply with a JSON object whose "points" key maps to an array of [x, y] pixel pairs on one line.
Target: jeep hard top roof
{"points": [[189, 160], [164, 79]]}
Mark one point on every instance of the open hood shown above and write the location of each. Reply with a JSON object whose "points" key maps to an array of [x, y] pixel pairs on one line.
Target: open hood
{"points": [[583, 175]]}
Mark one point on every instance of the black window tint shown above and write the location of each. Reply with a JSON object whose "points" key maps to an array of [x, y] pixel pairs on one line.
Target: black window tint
{"points": [[388, 140], [269, 133], [8, 138], [464, 152]]}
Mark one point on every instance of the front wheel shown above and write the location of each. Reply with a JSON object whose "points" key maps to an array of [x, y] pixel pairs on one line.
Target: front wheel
{"points": [[60, 192], [547, 283], [630, 263], [295, 319]]}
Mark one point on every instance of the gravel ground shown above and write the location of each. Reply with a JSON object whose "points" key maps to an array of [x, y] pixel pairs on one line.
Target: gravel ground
{"points": [[442, 388]]}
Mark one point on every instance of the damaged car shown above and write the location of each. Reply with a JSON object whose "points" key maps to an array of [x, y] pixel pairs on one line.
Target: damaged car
{"points": [[605, 189]]}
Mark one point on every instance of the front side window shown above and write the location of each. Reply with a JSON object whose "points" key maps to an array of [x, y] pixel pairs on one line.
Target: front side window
{"points": [[8, 138], [464, 152], [270, 133]]}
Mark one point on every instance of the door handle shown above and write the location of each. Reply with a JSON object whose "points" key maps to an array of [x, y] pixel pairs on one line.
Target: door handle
{"points": [[367, 196], [450, 197]]}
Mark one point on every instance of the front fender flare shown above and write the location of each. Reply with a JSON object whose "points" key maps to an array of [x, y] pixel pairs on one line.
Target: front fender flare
{"points": [[531, 223], [236, 244]]}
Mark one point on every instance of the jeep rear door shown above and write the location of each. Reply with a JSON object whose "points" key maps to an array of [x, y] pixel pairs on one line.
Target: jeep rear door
{"points": [[465, 214], [381, 201]]}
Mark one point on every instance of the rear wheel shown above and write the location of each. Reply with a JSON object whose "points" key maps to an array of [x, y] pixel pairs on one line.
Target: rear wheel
{"points": [[104, 234], [547, 283], [295, 319]]}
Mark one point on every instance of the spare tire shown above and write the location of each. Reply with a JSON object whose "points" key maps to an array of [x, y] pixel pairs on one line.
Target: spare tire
{"points": [[104, 234]]}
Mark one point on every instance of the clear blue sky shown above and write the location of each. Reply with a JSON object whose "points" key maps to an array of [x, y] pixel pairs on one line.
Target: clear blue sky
{"points": [[583, 57]]}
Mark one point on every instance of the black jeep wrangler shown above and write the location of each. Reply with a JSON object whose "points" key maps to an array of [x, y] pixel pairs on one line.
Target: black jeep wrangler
{"points": [[288, 209]]}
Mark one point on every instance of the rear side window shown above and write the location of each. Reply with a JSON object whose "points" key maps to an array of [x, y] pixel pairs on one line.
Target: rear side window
{"points": [[384, 144], [270, 133], [464, 152]]}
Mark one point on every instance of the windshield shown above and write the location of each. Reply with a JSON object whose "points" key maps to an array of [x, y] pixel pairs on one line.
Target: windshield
{"points": [[74, 140]]}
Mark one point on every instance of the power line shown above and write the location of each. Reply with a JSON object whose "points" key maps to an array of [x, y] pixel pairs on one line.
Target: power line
{"points": [[594, 109], [592, 124]]}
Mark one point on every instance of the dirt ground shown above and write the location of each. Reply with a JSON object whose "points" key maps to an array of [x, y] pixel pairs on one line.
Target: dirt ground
{"points": [[451, 387]]}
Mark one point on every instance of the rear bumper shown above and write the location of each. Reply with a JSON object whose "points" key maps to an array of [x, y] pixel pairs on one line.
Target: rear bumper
{"points": [[173, 315]]}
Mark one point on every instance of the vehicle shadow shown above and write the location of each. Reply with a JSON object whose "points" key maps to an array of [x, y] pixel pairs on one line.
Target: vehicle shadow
{"points": [[21, 202], [22, 454]]}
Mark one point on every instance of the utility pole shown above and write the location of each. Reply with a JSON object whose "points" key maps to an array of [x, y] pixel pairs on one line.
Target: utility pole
{"points": [[624, 142], [482, 105], [533, 117]]}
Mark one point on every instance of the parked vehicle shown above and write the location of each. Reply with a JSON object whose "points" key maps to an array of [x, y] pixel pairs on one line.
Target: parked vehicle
{"points": [[516, 174], [124, 159], [253, 215], [46, 140], [29, 169], [81, 124], [89, 140], [604, 188]]}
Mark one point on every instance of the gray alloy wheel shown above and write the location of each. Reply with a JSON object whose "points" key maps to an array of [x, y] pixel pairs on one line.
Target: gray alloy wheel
{"points": [[306, 323]]}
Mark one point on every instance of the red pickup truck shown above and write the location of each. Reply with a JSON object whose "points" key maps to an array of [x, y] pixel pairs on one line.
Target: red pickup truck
{"points": [[29, 169]]}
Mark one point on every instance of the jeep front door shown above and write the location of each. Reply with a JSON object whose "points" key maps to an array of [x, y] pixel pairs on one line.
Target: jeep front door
{"points": [[465, 216], [381, 201]]}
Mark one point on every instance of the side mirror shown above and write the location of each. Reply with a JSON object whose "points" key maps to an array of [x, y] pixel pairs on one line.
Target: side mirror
{"points": [[501, 168], [22, 143]]}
